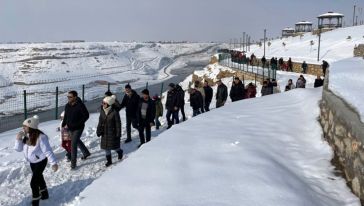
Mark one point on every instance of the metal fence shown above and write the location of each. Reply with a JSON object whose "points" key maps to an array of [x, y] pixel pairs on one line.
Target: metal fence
{"points": [[49, 103]]}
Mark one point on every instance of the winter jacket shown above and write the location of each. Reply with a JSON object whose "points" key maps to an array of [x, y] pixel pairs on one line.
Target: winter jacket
{"points": [[202, 91], [150, 114], [196, 100], [251, 92], [109, 128], [266, 90], [37, 153], [289, 87], [300, 83], [172, 100], [181, 96], [237, 91], [221, 93], [158, 108], [117, 105], [130, 104], [318, 83], [209, 93], [75, 115]]}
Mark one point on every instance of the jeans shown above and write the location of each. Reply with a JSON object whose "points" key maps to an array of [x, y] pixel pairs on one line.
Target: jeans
{"points": [[183, 113], [196, 112], [207, 106], [38, 183], [175, 118], [129, 122], [144, 125], [77, 142], [108, 152], [157, 123]]}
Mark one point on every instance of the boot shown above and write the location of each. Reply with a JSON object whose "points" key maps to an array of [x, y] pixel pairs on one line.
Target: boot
{"points": [[128, 140], [44, 194], [108, 159], [120, 154], [35, 201]]}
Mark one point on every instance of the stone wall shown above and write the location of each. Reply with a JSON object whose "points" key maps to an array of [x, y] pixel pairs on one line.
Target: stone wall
{"points": [[344, 131], [359, 51]]}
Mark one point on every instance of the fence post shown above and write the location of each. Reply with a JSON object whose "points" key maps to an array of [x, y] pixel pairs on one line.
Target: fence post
{"points": [[162, 89], [83, 93], [255, 79], [25, 104], [56, 114], [146, 85], [108, 86]]}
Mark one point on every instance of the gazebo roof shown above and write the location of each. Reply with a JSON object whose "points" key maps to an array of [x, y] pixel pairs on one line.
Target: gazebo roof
{"points": [[304, 23], [330, 14], [288, 29]]}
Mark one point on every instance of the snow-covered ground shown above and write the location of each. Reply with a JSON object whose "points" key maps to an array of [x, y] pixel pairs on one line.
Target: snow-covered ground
{"points": [[253, 152], [15, 173], [40, 68], [346, 81], [335, 45]]}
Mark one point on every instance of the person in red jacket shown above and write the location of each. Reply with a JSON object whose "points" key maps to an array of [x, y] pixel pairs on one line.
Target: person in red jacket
{"points": [[251, 90]]}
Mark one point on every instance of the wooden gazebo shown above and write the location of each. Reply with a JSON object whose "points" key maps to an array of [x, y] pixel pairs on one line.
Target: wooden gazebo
{"points": [[330, 20], [303, 26], [287, 32]]}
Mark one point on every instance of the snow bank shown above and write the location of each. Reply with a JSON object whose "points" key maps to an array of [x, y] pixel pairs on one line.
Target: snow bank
{"points": [[335, 45], [346, 81], [253, 152]]}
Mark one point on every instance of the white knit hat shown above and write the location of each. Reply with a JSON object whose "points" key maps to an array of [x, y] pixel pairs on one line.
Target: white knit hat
{"points": [[32, 122], [110, 100]]}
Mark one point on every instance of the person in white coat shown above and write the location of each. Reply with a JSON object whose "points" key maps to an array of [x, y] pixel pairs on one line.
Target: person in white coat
{"points": [[37, 151]]}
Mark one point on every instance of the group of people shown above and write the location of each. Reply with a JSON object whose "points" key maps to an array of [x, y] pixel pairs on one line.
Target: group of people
{"points": [[142, 113]]}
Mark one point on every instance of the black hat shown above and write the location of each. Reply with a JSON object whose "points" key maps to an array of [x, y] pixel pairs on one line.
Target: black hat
{"points": [[171, 85], [145, 91], [127, 86], [108, 93]]}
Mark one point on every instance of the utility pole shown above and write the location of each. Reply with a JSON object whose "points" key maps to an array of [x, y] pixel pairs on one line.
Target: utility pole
{"points": [[354, 15], [356, 22], [244, 41], [319, 45], [265, 33]]}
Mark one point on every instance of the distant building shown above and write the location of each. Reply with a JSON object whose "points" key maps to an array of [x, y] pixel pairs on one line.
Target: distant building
{"points": [[287, 32], [303, 27], [330, 20], [73, 41]]}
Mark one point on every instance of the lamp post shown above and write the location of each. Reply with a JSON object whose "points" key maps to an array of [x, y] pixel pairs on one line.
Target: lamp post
{"points": [[265, 33], [319, 45]]}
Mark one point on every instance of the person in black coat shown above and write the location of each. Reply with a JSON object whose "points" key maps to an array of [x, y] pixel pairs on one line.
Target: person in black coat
{"points": [[196, 101], [290, 65], [130, 103], [181, 101], [221, 94], [145, 116], [109, 129], [318, 82], [75, 116], [237, 91], [209, 93], [172, 104], [324, 66]]}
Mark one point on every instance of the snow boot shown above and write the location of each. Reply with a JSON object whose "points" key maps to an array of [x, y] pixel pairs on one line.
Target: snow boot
{"points": [[108, 159], [44, 194], [84, 157], [35, 201], [120, 154]]}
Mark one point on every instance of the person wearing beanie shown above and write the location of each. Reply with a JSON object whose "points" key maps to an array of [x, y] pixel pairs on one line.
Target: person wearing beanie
{"points": [[130, 103], [117, 104], [158, 110], [75, 117], [37, 151], [145, 117], [172, 104], [65, 139], [109, 129]]}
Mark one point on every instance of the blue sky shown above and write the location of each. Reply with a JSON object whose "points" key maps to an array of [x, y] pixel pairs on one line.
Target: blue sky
{"points": [[143, 20]]}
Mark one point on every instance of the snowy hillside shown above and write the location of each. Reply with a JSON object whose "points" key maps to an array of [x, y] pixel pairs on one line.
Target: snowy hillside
{"points": [[253, 152], [40, 68], [335, 45]]}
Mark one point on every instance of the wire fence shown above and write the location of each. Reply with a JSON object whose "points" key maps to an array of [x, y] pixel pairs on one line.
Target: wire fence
{"points": [[49, 103]]}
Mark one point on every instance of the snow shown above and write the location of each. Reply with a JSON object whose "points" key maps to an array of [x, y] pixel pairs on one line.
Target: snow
{"points": [[40, 68], [262, 156], [304, 23], [335, 46], [331, 14], [346, 81]]}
